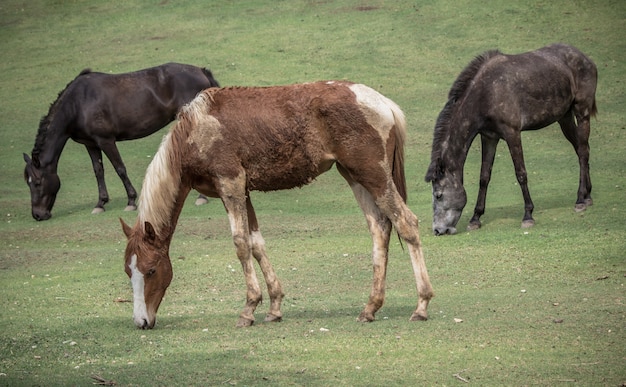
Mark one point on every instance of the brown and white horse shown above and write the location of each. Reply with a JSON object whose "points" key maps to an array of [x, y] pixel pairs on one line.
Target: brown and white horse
{"points": [[230, 141]]}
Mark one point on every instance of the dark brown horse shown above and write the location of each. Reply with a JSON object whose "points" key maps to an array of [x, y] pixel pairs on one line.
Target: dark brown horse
{"points": [[498, 96], [96, 110], [231, 141]]}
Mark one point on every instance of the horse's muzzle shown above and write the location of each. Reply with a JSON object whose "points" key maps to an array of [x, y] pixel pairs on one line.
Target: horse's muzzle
{"points": [[438, 231], [39, 216]]}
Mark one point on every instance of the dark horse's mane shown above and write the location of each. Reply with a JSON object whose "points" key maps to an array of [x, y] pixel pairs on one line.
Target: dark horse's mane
{"points": [[458, 89], [47, 119]]}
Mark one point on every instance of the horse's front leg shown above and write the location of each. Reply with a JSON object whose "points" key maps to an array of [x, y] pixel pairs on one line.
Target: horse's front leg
{"points": [[233, 195], [515, 148], [488, 148], [271, 280], [113, 154], [96, 161]]}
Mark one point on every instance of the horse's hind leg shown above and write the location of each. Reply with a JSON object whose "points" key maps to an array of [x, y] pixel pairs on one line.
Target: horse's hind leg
{"points": [[111, 151], [390, 205], [258, 251], [380, 230], [578, 136], [406, 223], [96, 161]]}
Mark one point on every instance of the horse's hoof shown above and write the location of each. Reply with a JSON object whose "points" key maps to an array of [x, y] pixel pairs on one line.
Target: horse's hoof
{"points": [[473, 226], [418, 317], [273, 318], [528, 223], [130, 208], [589, 202], [244, 322], [97, 210], [580, 207], [201, 200], [365, 317]]}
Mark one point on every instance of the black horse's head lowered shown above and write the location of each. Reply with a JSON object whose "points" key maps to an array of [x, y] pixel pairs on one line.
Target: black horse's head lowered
{"points": [[44, 186], [96, 110], [498, 96]]}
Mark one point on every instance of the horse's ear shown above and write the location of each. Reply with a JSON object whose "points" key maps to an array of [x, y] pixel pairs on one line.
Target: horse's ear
{"points": [[435, 171], [31, 162], [126, 228], [150, 234]]}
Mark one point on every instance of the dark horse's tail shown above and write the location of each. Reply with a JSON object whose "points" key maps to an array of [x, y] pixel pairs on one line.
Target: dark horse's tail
{"points": [[594, 108], [209, 76]]}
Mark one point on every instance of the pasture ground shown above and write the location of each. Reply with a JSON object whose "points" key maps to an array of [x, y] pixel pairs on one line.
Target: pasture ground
{"points": [[543, 306]]}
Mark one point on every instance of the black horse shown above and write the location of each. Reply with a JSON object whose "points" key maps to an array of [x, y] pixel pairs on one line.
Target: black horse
{"points": [[98, 109], [498, 96]]}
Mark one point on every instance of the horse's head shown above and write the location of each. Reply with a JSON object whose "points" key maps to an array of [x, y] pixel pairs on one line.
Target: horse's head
{"points": [[449, 197], [44, 186], [148, 266]]}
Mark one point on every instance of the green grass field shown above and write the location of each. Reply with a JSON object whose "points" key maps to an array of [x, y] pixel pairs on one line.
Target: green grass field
{"points": [[540, 306]]}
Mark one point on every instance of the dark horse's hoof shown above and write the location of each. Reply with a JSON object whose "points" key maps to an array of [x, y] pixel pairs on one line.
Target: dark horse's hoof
{"points": [[580, 207], [528, 223], [473, 226]]}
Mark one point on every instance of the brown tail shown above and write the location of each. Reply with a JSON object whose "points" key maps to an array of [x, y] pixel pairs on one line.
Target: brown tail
{"points": [[397, 169]]}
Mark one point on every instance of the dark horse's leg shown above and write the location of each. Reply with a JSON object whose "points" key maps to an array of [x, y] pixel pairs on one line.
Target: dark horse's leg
{"points": [[488, 148], [578, 136], [96, 161], [110, 150], [513, 139]]}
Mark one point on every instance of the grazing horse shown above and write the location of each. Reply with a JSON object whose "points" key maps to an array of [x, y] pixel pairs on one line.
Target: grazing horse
{"points": [[498, 96], [98, 109], [231, 141]]}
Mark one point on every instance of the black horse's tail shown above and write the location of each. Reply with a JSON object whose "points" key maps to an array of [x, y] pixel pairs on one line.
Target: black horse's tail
{"points": [[209, 76], [594, 108]]}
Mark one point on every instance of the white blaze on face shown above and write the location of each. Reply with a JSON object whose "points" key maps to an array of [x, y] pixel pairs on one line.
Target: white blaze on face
{"points": [[140, 312]]}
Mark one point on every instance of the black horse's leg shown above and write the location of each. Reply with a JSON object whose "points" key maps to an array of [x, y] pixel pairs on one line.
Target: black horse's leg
{"points": [[488, 147], [514, 141], [110, 150], [96, 161], [578, 136]]}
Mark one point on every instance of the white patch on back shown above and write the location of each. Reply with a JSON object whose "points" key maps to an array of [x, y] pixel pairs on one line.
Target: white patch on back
{"points": [[206, 132], [140, 312], [378, 109]]}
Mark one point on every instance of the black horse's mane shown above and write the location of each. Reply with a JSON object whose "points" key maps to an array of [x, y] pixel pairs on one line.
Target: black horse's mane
{"points": [[458, 89], [45, 121]]}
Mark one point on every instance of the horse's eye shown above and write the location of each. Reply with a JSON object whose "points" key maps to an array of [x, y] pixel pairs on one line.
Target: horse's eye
{"points": [[438, 195], [150, 272]]}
